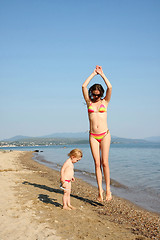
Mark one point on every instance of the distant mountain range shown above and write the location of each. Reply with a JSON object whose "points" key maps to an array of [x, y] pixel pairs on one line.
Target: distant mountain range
{"points": [[81, 135], [153, 139], [16, 138]]}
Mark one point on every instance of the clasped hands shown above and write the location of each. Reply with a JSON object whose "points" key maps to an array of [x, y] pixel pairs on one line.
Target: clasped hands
{"points": [[98, 70]]}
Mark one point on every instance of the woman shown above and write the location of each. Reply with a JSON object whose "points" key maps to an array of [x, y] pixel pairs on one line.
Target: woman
{"points": [[99, 136]]}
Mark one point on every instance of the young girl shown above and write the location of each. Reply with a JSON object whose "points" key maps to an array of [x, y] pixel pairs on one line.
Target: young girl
{"points": [[99, 133], [67, 176]]}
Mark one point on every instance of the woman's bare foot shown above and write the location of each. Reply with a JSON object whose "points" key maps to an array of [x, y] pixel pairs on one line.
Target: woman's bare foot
{"points": [[66, 208], [108, 196], [100, 197]]}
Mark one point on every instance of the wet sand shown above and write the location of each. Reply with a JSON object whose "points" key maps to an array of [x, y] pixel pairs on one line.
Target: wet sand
{"points": [[31, 207]]}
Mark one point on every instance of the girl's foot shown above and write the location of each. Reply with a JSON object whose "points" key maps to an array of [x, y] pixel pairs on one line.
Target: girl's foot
{"points": [[100, 196], [71, 207], [108, 196], [66, 208]]}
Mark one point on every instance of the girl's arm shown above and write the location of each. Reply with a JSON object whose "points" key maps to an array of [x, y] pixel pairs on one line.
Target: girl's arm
{"points": [[85, 84], [62, 172], [107, 82]]}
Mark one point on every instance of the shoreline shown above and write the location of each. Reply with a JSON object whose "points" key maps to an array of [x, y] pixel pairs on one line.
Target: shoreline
{"points": [[140, 187], [38, 189], [118, 189]]}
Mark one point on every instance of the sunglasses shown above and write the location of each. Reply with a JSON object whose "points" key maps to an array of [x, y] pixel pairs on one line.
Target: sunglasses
{"points": [[96, 95]]}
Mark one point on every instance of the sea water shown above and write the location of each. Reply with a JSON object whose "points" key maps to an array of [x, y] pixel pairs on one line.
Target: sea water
{"points": [[134, 167]]}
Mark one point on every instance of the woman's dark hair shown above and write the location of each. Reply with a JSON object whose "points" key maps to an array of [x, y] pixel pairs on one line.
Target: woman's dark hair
{"points": [[96, 87]]}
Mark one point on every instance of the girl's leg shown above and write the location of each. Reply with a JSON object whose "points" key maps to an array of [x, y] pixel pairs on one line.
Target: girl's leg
{"points": [[65, 200], [66, 196], [69, 198], [94, 144], [105, 146]]}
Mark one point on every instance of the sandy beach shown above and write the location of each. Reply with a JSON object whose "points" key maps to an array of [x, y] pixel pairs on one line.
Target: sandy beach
{"points": [[31, 207]]}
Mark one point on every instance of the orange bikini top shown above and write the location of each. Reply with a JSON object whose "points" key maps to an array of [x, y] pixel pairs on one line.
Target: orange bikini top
{"points": [[101, 109]]}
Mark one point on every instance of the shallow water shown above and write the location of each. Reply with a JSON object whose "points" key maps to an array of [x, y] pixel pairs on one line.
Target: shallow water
{"points": [[134, 167]]}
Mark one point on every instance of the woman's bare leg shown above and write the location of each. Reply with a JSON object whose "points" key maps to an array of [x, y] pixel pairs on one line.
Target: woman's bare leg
{"points": [[105, 146], [95, 149]]}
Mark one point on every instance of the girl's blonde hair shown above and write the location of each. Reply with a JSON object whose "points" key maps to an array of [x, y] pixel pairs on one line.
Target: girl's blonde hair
{"points": [[75, 153]]}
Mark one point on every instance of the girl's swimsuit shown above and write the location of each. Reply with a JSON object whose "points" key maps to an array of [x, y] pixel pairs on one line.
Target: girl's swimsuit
{"points": [[68, 181], [61, 185], [102, 109]]}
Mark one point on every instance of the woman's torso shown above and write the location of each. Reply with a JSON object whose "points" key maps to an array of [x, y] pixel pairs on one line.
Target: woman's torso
{"points": [[97, 113]]}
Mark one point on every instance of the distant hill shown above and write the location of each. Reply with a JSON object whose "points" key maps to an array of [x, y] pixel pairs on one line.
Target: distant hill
{"points": [[78, 136], [153, 139], [115, 139], [16, 138]]}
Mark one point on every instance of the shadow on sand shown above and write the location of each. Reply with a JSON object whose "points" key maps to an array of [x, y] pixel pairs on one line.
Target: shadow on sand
{"points": [[45, 198]]}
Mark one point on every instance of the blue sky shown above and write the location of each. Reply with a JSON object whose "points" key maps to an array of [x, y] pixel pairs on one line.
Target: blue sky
{"points": [[48, 49]]}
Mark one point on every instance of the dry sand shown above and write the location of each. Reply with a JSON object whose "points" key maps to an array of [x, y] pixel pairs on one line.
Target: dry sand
{"points": [[31, 207]]}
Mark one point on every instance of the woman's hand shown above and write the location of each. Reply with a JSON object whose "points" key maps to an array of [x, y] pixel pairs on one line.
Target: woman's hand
{"points": [[99, 70], [95, 71]]}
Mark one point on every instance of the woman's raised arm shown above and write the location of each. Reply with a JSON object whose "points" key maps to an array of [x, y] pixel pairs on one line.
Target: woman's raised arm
{"points": [[107, 82], [85, 84]]}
